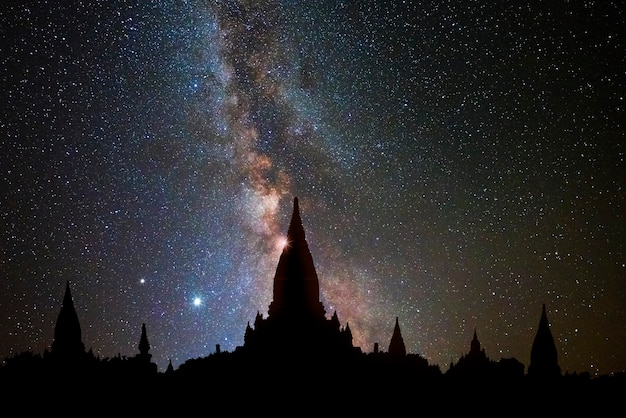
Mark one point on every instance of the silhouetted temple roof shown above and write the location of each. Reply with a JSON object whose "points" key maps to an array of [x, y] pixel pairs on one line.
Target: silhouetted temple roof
{"points": [[67, 332], [296, 286], [543, 354], [396, 345]]}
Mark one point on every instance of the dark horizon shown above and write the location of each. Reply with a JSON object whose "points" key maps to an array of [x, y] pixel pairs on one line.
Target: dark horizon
{"points": [[298, 325], [291, 352]]}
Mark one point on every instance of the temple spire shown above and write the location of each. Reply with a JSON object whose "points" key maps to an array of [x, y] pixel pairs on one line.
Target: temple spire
{"points": [[144, 345], [296, 286], [67, 333], [296, 324], [475, 344], [396, 345], [543, 354], [296, 230]]}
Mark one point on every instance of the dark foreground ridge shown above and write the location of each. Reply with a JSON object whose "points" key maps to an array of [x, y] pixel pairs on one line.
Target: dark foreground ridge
{"points": [[300, 360]]}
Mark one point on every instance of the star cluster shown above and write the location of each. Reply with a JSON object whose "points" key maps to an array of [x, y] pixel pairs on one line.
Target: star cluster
{"points": [[458, 164]]}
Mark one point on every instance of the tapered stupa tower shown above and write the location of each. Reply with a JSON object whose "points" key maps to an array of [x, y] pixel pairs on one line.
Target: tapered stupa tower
{"points": [[67, 342], [544, 362], [296, 286], [144, 345], [396, 345], [296, 322]]}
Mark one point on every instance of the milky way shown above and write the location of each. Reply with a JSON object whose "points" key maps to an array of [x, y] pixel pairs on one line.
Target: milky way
{"points": [[458, 164]]}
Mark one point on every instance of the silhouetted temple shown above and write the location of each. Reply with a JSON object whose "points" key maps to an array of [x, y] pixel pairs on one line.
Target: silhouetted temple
{"points": [[543, 354], [476, 366], [296, 323], [475, 360], [290, 352], [144, 345], [67, 351], [67, 343], [396, 344], [143, 361]]}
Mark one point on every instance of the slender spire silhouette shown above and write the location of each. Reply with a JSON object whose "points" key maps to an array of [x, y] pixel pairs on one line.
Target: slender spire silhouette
{"points": [[475, 344], [296, 286], [543, 354], [67, 341], [396, 345], [296, 230], [144, 345]]}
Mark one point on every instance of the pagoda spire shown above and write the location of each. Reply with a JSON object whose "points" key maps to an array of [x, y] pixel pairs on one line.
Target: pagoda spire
{"points": [[296, 286], [67, 333], [475, 344], [543, 354], [295, 233], [396, 345], [144, 345], [296, 325]]}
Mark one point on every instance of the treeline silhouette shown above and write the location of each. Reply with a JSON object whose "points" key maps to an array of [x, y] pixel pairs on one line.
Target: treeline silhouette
{"points": [[297, 361]]}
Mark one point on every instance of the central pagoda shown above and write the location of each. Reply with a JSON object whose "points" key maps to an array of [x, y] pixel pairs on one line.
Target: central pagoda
{"points": [[296, 322], [296, 286]]}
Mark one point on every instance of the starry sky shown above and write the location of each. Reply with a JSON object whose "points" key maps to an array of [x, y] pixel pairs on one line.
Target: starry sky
{"points": [[457, 165]]}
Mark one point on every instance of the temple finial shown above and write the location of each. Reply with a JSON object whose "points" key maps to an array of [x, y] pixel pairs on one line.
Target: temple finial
{"points": [[296, 230]]}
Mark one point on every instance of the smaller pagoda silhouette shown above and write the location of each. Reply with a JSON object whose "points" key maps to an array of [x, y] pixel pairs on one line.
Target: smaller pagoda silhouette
{"points": [[543, 354], [67, 344], [397, 348]]}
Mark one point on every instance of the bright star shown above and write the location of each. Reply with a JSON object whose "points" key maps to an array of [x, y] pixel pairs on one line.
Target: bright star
{"points": [[197, 301], [281, 243]]}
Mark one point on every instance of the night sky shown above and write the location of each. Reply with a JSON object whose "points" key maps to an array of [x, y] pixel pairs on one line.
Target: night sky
{"points": [[457, 165]]}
